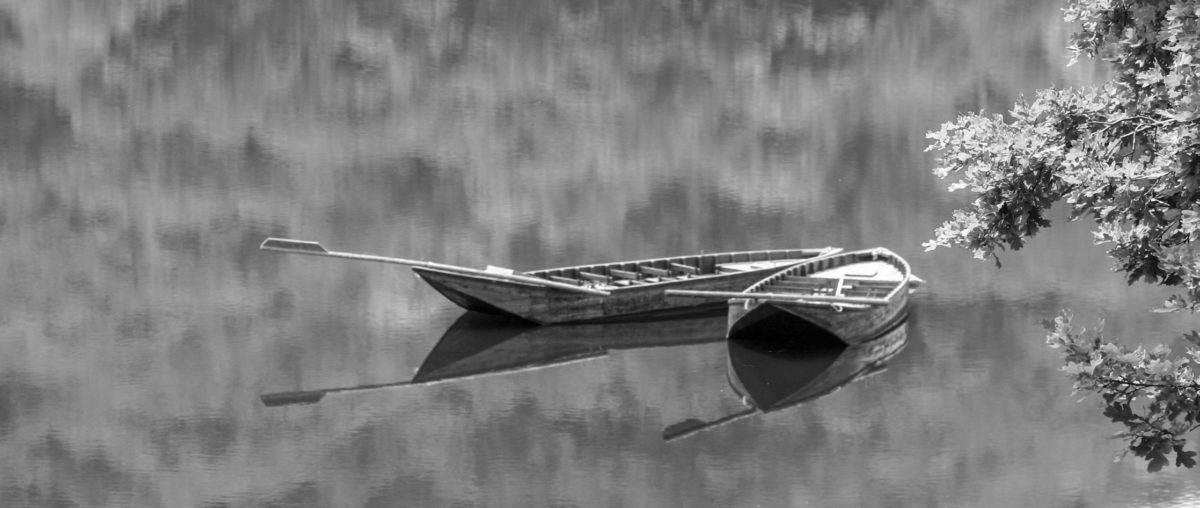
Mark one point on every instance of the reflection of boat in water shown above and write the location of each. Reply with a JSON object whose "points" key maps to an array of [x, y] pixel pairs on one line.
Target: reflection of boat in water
{"points": [[480, 344], [771, 373], [772, 379]]}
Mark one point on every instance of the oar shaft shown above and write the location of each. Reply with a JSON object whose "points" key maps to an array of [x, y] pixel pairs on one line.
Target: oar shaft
{"points": [[315, 249], [734, 295], [357, 257]]}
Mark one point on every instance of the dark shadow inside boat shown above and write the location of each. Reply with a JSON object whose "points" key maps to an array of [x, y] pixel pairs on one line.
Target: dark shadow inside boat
{"points": [[482, 344], [778, 371]]}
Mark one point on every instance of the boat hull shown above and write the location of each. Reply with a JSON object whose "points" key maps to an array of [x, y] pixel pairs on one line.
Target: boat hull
{"points": [[548, 305], [840, 294]]}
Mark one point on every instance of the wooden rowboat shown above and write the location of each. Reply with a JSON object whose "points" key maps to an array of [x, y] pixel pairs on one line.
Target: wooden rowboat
{"points": [[853, 295], [769, 373], [596, 292]]}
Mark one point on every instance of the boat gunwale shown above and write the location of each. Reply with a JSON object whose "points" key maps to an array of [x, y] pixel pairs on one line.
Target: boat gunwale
{"points": [[877, 253]]}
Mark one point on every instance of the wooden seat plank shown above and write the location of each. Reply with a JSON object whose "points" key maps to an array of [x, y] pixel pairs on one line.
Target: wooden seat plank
{"points": [[655, 272], [686, 269], [624, 274], [592, 276]]}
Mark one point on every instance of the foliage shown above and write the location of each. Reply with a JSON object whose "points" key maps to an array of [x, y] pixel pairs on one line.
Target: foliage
{"points": [[1154, 395], [1127, 155]]}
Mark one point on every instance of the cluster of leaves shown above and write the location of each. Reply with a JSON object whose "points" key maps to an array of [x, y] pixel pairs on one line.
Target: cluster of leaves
{"points": [[1153, 394], [1125, 153]]}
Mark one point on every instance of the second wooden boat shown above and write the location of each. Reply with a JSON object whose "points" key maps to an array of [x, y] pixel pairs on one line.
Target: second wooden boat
{"points": [[852, 295], [621, 290]]}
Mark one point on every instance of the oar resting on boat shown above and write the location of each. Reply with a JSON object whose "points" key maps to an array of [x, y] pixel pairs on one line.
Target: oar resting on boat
{"points": [[857, 301], [315, 249]]}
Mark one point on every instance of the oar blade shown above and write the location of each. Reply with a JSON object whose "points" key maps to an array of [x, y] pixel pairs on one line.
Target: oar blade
{"points": [[291, 398], [288, 245], [694, 425], [678, 430]]}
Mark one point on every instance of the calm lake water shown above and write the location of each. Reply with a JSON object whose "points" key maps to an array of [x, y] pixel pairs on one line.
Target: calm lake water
{"points": [[147, 148]]}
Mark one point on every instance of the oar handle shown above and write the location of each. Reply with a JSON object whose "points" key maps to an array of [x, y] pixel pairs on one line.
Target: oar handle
{"points": [[316, 249]]}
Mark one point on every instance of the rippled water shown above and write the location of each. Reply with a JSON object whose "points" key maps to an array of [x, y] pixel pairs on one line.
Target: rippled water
{"points": [[147, 147]]}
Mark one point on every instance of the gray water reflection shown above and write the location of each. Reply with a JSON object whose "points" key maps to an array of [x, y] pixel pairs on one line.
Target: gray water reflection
{"points": [[146, 148], [481, 345], [771, 373]]}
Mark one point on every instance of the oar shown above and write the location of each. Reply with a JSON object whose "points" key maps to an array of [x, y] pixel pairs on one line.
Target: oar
{"points": [[782, 297], [694, 425], [315, 249], [314, 396]]}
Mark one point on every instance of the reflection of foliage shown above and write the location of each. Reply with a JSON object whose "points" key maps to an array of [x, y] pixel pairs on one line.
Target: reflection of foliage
{"points": [[1156, 396], [31, 123], [576, 111], [1127, 154], [8, 30], [174, 135]]}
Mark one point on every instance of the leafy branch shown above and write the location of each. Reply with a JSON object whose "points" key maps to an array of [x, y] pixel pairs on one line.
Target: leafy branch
{"points": [[1153, 394], [1125, 154]]}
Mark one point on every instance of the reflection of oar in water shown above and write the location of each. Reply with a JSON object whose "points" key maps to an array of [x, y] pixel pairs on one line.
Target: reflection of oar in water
{"points": [[795, 374], [313, 396], [315, 249], [478, 344], [694, 425], [473, 346]]}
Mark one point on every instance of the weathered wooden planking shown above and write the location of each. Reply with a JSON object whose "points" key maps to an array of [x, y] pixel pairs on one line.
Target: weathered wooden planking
{"points": [[629, 301], [851, 323]]}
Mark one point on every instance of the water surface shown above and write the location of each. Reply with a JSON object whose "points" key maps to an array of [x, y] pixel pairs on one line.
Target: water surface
{"points": [[147, 148]]}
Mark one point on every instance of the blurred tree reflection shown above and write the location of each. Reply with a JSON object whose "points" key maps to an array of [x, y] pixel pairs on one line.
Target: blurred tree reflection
{"points": [[148, 146]]}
